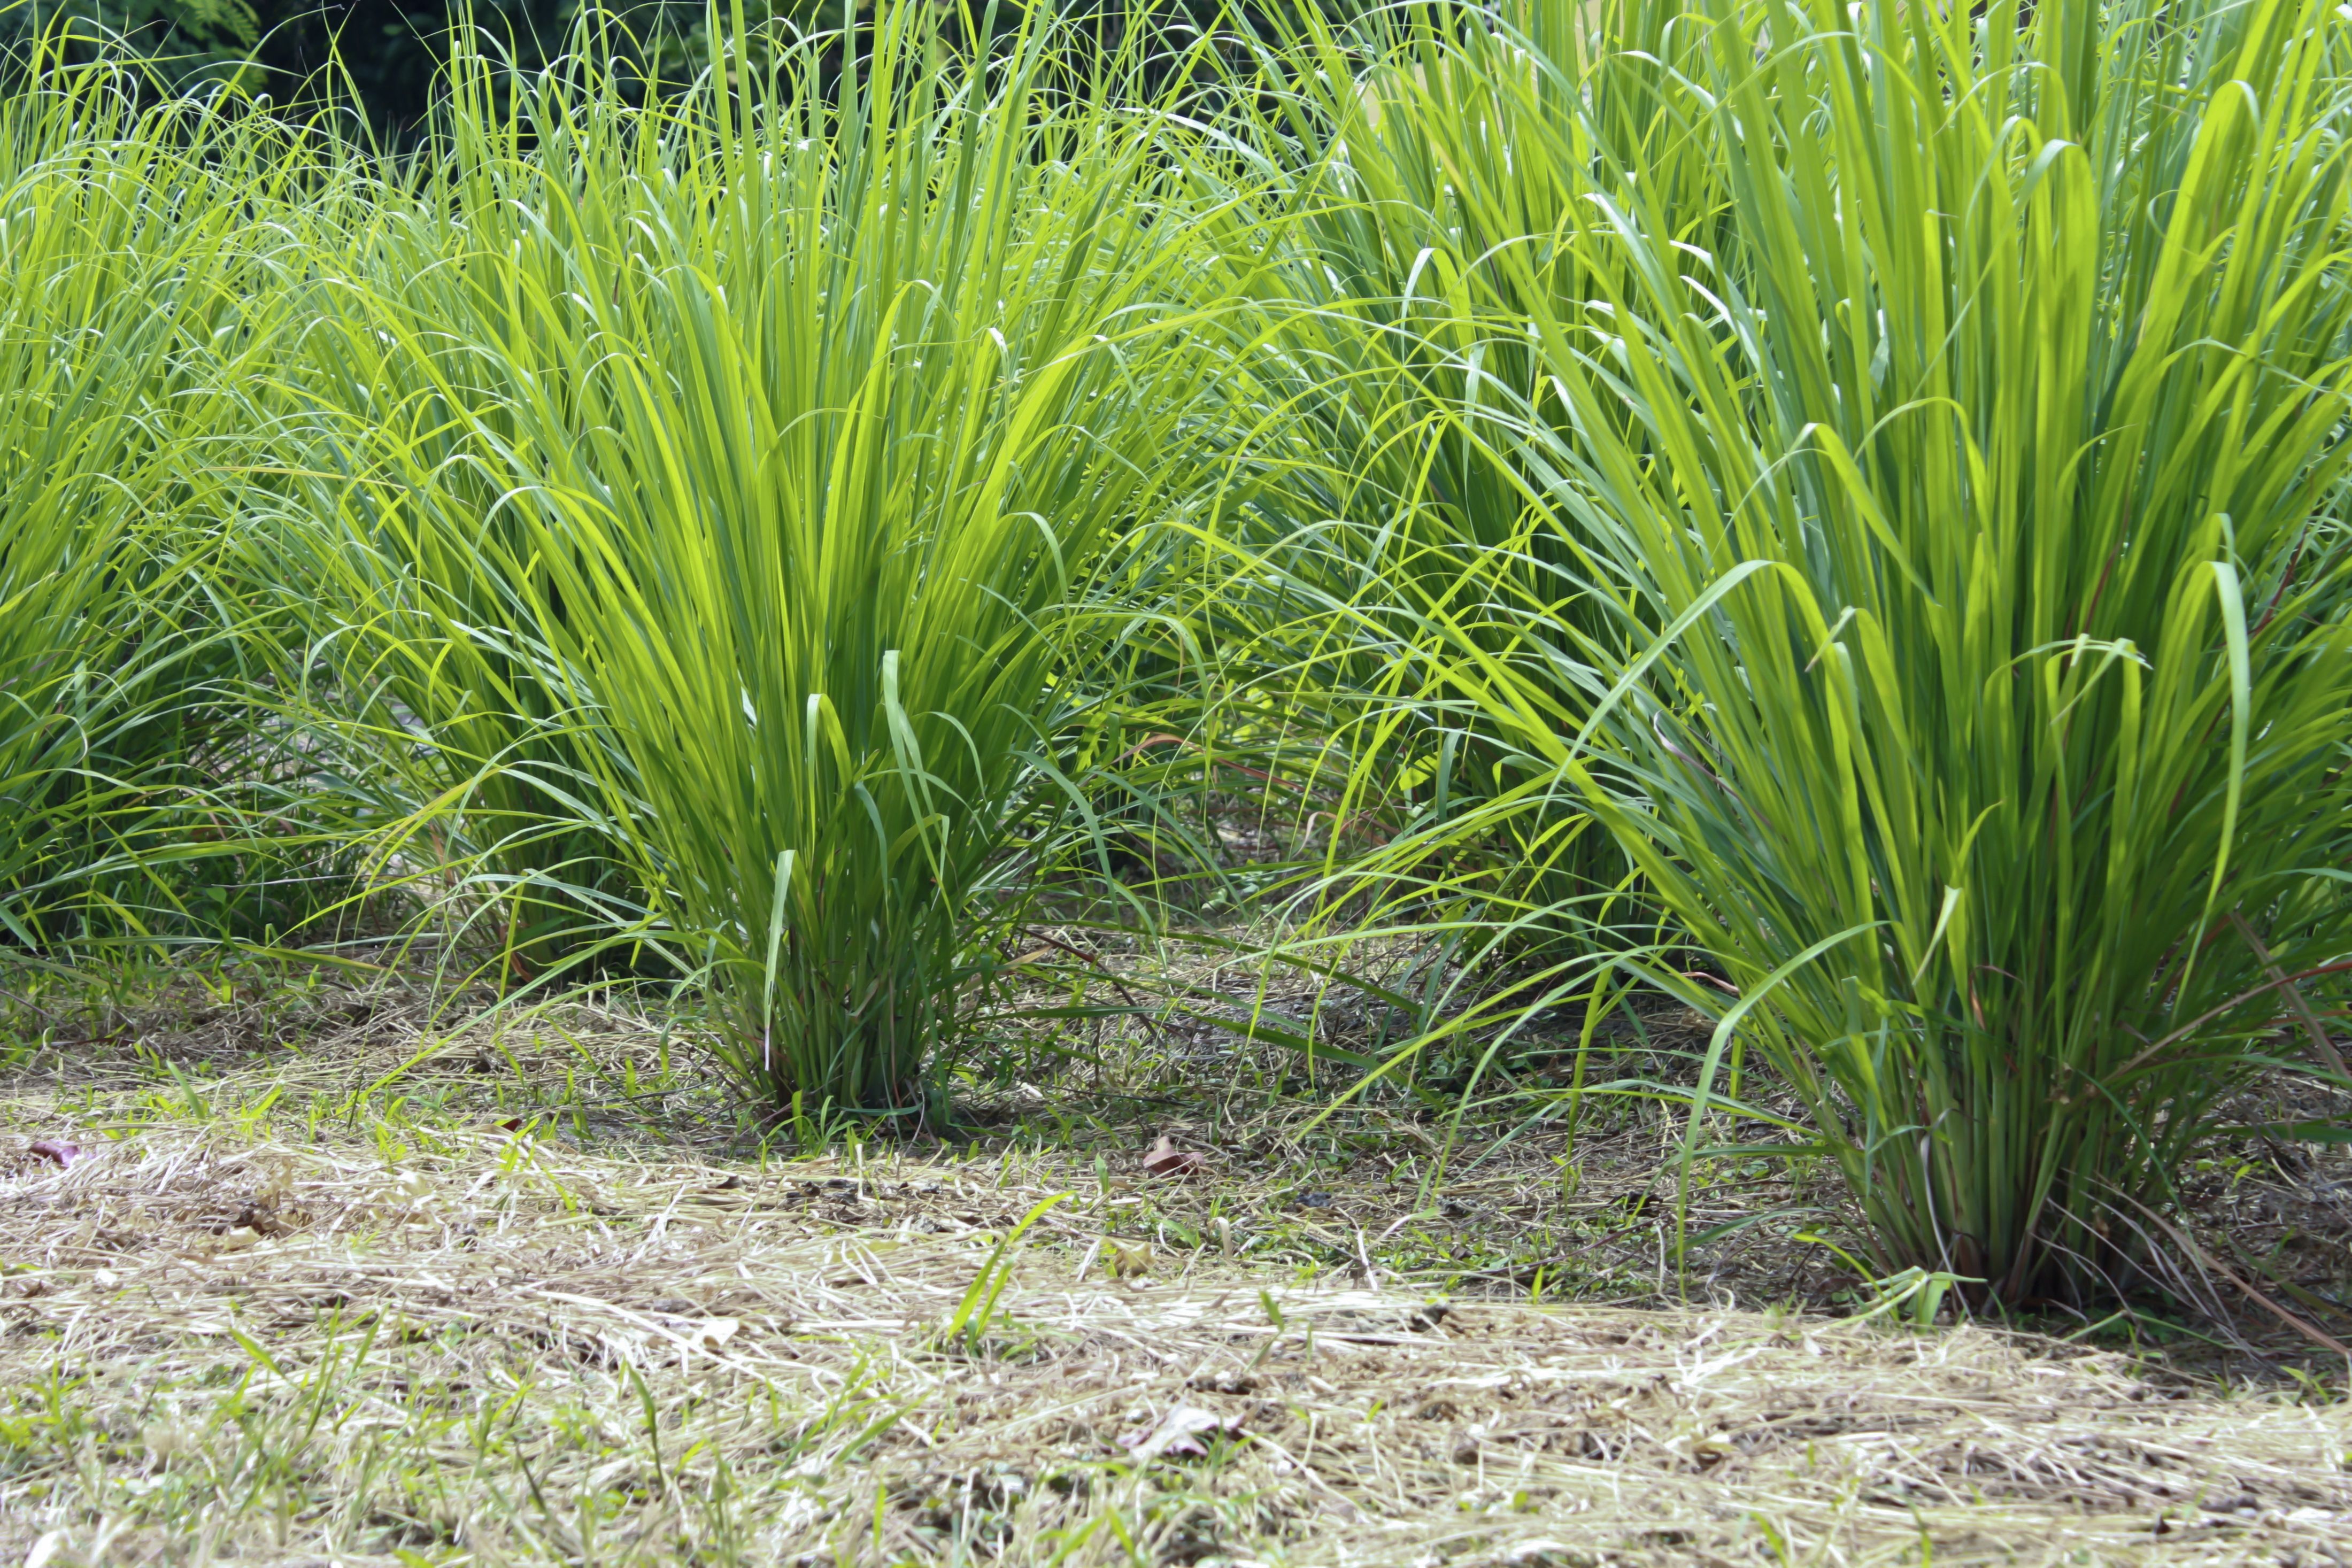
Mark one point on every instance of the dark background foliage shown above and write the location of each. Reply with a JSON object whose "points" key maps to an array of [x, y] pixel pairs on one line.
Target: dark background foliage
{"points": [[382, 57], [382, 54]]}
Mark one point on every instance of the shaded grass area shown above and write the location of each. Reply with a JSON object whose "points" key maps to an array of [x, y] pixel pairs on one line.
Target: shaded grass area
{"points": [[349, 1272]]}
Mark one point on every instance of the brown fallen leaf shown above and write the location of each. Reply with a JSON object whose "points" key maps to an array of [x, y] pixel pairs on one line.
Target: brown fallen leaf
{"points": [[56, 1150], [1167, 1160], [1180, 1433]]}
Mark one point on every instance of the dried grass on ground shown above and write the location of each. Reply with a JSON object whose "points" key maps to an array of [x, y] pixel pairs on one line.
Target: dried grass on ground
{"points": [[384, 1327]]}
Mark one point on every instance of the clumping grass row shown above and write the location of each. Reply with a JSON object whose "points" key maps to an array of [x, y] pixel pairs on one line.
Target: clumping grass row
{"points": [[1840, 502]]}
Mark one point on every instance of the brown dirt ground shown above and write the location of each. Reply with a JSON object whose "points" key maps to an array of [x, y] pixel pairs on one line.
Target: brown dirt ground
{"points": [[341, 1280]]}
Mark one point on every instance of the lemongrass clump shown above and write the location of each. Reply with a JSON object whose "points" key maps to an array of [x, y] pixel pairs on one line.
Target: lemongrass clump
{"points": [[748, 456], [128, 247], [1982, 477]]}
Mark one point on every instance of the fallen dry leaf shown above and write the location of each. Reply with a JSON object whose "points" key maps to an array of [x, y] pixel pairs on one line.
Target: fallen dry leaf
{"points": [[1178, 1432], [1167, 1160], [56, 1150], [712, 1333]]}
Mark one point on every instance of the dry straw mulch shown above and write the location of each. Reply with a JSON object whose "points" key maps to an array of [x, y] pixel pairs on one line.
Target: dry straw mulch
{"points": [[498, 1348]]}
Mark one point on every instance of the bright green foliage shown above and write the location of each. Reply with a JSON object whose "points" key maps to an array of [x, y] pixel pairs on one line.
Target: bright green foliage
{"points": [[1435, 167], [1981, 472], [122, 253], [1882, 464], [761, 447], [394, 545]]}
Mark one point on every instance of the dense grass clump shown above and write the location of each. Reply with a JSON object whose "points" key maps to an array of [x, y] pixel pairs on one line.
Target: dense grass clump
{"points": [[126, 268], [1945, 500], [744, 460]]}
